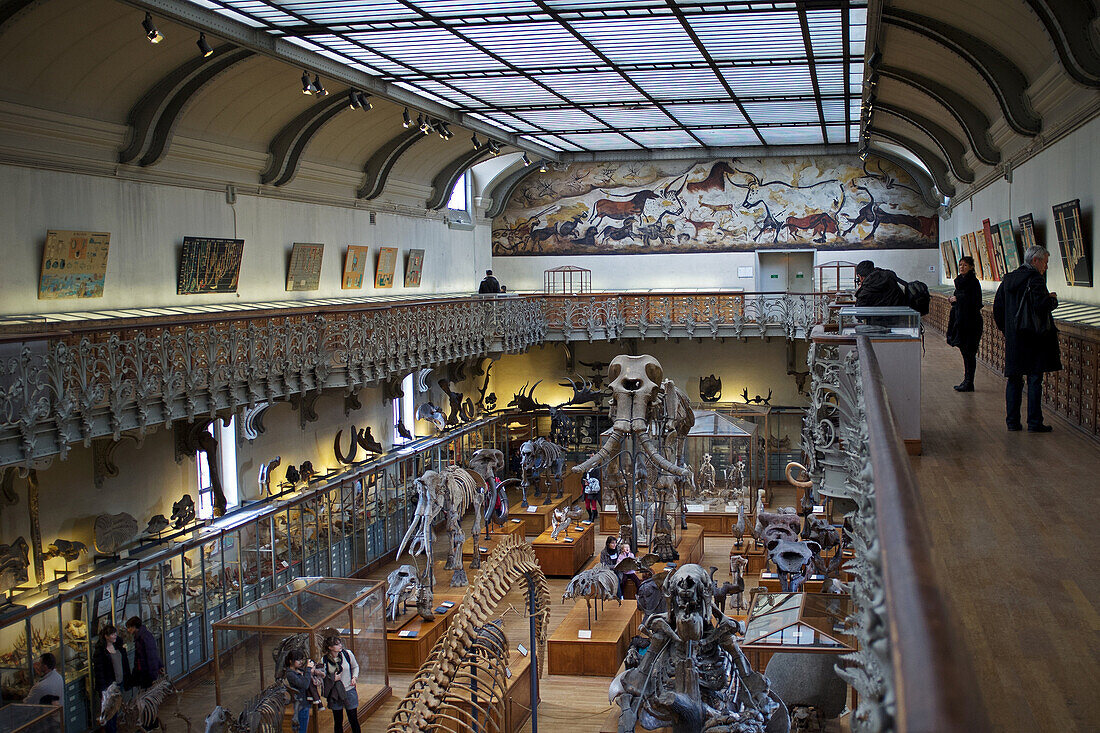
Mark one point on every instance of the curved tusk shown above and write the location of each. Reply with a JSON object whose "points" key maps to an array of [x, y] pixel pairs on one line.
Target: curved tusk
{"points": [[797, 482]]}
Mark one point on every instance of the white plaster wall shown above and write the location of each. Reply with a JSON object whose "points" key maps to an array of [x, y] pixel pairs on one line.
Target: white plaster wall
{"points": [[1067, 170], [147, 223], [695, 270]]}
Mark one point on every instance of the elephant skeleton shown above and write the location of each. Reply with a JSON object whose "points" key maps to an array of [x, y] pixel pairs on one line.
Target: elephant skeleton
{"points": [[657, 415], [450, 492]]}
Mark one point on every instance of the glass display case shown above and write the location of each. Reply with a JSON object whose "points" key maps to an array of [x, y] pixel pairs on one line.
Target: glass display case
{"points": [[807, 621], [891, 322], [20, 718], [724, 453], [250, 645], [182, 588]]}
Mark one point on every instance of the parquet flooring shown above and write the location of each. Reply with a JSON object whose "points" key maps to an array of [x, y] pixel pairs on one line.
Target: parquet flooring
{"points": [[1011, 518]]}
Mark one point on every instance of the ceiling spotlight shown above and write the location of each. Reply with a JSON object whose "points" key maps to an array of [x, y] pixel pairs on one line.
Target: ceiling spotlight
{"points": [[474, 140], [875, 58], [447, 134], [424, 124], [526, 159], [494, 148], [544, 167], [204, 47], [151, 31], [318, 88], [406, 121], [353, 100], [364, 100], [307, 85]]}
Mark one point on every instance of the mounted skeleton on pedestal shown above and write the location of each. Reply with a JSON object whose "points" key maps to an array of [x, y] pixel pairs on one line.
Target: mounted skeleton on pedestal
{"points": [[536, 455]]}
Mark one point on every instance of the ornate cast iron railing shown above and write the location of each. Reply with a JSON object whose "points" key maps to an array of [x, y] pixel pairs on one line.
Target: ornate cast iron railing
{"points": [[103, 378], [69, 387], [598, 316], [910, 671]]}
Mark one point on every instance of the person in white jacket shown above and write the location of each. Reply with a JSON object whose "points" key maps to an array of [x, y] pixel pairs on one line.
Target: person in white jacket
{"points": [[341, 673]]}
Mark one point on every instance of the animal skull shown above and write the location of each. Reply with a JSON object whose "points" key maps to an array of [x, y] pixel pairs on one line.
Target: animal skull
{"points": [[634, 383], [403, 584], [691, 596]]}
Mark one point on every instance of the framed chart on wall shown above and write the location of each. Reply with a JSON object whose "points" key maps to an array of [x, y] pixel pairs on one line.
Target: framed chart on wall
{"points": [[1071, 244], [355, 267], [982, 251], [1027, 231], [74, 265], [387, 263], [996, 254], [414, 267], [1008, 243], [950, 264], [304, 272], [209, 265]]}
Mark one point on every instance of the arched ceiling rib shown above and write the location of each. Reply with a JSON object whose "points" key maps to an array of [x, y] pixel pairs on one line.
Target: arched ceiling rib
{"points": [[952, 148], [444, 181], [1005, 79], [931, 160], [153, 119], [1069, 23], [378, 166], [970, 118], [289, 143]]}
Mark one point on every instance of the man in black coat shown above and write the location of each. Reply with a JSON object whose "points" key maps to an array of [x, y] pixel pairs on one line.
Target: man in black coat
{"points": [[489, 285], [1027, 352], [878, 287], [964, 327]]}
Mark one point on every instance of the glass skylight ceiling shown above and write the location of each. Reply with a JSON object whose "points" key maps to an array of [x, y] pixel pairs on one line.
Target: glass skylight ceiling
{"points": [[603, 74]]}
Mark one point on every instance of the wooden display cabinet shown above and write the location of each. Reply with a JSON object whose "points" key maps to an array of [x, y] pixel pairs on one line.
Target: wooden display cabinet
{"points": [[566, 555], [603, 653], [537, 516]]}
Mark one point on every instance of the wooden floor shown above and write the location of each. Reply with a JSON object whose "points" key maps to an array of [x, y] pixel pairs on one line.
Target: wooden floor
{"points": [[1013, 519]]}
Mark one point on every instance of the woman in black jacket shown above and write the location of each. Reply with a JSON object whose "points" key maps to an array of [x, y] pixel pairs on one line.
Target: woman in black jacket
{"points": [[964, 327], [109, 664]]}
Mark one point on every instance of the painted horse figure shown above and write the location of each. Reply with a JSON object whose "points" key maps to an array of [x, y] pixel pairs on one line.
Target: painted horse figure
{"points": [[535, 455]]}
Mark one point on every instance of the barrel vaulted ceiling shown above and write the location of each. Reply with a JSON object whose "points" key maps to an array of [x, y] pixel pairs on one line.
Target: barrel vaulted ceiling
{"points": [[962, 87]]}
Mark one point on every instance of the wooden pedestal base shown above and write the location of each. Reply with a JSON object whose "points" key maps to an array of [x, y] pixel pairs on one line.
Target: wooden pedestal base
{"points": [[601, 655], [562, 558], [536, 522], [406, 654], [495, 535]]}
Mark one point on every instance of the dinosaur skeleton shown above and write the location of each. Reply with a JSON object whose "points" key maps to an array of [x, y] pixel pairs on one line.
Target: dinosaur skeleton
{"points": [[536, 455], [465, 659], [694, 676]]}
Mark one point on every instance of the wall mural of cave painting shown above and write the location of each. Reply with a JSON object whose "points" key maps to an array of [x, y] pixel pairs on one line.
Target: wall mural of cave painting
{"points": [[826, 202]]}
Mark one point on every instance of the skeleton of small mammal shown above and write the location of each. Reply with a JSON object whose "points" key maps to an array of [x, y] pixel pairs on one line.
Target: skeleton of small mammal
{"points": [[261, 714], [562, 518], [140, 712]]}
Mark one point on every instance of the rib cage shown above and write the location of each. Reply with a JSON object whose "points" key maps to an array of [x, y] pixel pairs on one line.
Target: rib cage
{"points": [[469, 651]]}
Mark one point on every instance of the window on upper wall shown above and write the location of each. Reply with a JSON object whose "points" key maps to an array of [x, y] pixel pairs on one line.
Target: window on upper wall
{"points": [[460, 208], [226, 434]]}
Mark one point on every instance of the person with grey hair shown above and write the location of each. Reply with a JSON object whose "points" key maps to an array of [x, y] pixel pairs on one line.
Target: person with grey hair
{"points": [[1022, 310]]}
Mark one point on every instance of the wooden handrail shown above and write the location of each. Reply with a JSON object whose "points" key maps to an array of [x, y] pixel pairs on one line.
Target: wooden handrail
{"points": [[933, 680]]}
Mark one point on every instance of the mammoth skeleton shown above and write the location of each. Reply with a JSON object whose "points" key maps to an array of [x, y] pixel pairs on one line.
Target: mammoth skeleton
{"points": [[657, 416]]}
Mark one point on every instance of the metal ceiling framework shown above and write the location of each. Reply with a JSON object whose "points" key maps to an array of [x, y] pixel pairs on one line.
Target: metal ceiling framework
{"points": [[579, 76]]}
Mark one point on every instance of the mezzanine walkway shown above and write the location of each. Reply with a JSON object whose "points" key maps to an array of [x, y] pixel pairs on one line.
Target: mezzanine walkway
{"points": [[1012, 518]]}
